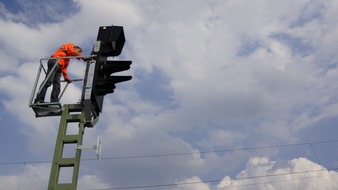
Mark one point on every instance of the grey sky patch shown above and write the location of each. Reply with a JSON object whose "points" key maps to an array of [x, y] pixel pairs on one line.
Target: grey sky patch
{"points": [[310, 12], [248, 46], [12, 6], [298, 45], [155, 87], [33, 13]]}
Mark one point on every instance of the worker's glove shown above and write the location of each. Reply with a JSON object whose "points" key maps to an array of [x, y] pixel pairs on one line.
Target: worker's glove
{"points": [[87, 59], [68, 80]]}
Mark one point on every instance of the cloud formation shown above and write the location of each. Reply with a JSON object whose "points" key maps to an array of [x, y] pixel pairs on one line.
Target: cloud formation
{"points": [[263, 173]]}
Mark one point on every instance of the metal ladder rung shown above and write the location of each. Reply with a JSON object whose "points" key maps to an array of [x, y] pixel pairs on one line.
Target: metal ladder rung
{"points": [[72, 113]]}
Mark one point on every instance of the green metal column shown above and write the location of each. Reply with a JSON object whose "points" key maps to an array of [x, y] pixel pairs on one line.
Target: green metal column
{"points": [[72, 113]]}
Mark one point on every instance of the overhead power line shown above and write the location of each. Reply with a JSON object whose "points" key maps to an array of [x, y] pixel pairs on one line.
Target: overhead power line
{"points": [[184, 153], [216, 151], [207, 152]]}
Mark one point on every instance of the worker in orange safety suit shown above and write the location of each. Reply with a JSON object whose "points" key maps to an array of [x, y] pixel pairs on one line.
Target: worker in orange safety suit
{"points": [[64, 51]]}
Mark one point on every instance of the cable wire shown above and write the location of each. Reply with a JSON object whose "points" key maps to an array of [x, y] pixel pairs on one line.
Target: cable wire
{"points": [[184, 153], [201, 152]]}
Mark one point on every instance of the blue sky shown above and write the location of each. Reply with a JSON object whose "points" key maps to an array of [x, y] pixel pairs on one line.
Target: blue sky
{"points": [[224, 91]]}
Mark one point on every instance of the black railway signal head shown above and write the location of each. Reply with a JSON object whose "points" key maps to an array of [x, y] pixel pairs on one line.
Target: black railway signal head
{"points": [[104, 81], [111, 39], [110, 42]]}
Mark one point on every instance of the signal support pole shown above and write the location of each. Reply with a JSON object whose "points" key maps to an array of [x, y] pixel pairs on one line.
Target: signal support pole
{"points": [[59, 162]]}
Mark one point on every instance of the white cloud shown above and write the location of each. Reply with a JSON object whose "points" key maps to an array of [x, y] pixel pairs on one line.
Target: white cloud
{"points": [[298, 173], [91, 182], [36, 177], [31, 177], [10, 182], [194, 183], [263, 173], [222, 138]]}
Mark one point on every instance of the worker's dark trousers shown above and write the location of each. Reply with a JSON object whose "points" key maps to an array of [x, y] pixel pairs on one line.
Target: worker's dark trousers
{"points": [[53, 79]]}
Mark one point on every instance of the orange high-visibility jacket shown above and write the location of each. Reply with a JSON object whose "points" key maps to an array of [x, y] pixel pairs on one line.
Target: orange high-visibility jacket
{"points": [[63, 51]]}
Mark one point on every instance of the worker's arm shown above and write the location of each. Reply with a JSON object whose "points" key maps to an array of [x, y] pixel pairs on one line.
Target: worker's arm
{"points": [[64, 73]]}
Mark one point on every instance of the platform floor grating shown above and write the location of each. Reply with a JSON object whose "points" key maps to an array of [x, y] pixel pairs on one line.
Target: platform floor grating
{"points": [[47, 109]]}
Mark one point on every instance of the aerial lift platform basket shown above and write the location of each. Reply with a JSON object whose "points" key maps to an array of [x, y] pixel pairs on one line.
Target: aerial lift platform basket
{"points": [[80, 114], [47, 108]]}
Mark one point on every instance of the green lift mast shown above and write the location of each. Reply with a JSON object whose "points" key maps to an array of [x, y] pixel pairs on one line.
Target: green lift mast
{"points": [[98, 82], [73, 113]]}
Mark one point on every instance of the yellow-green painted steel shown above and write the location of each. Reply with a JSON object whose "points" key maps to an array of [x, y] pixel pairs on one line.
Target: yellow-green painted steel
{"points": [[72, 113]]}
